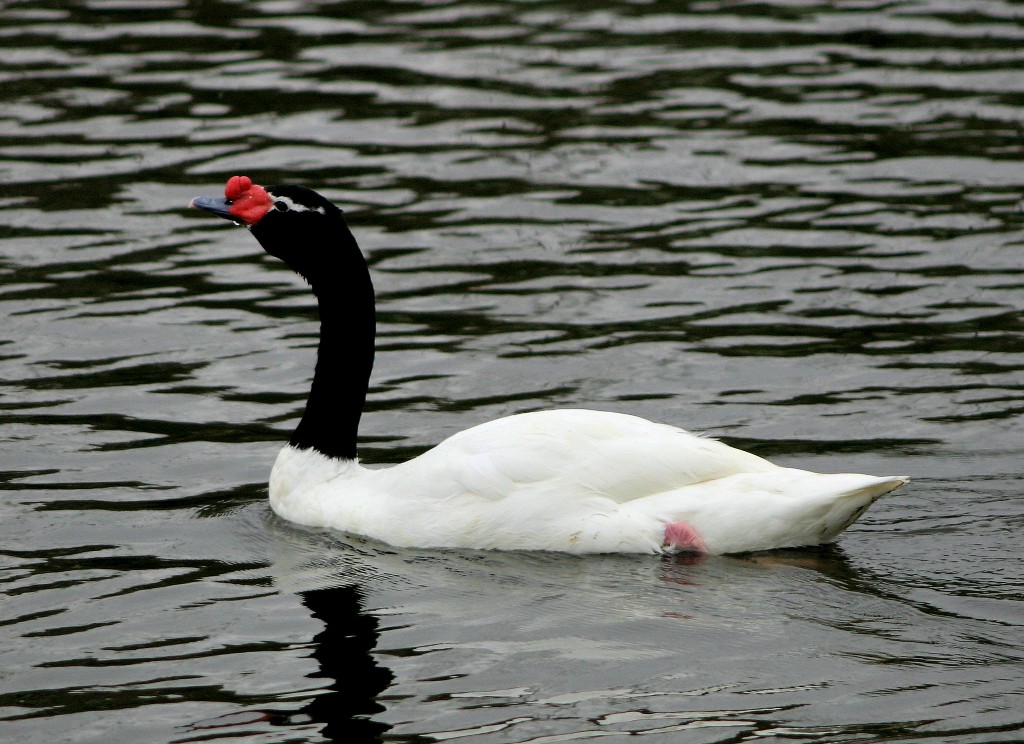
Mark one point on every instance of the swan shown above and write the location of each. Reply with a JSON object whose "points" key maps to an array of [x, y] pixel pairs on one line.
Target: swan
{"points": [[576, 481]]}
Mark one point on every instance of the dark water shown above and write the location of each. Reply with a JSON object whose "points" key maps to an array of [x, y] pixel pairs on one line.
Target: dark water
{"points": [[795, 225]]}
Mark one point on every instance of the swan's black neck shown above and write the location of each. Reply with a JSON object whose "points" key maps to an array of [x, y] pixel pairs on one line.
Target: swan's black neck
{"points": [[344, 360], [327, 256]]}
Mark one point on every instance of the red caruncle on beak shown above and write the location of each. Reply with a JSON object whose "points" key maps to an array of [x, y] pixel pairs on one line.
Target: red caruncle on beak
{"points": [[249, 201]]}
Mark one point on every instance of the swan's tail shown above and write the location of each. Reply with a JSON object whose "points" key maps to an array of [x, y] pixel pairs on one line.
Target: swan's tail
{"points": [[847, 506], [779, 508], [814, 508]]}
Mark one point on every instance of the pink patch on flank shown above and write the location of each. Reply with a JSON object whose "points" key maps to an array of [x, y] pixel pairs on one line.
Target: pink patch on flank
{"points": [[249, 200], [681, 536]]}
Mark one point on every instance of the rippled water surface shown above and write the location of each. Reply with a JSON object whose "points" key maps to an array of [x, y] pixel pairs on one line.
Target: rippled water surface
{"points": [[795, 225]]}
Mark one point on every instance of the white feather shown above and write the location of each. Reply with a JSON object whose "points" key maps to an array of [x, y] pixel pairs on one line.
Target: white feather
{"points": [[576, 481]]}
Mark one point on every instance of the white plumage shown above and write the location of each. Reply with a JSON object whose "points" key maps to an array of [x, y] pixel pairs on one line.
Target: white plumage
{"points": [[575, 481]]}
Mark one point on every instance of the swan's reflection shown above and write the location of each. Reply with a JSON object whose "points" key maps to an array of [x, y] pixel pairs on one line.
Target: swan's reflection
{"points": [[328, 578], [346, 703], [342, 651], [525, 617]]}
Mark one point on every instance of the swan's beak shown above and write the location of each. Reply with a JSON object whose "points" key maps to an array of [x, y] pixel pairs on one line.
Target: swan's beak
{"points": [[214, 205]]}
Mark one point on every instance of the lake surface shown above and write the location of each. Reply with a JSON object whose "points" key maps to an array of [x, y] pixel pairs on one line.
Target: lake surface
{"points": [[794, 225]]}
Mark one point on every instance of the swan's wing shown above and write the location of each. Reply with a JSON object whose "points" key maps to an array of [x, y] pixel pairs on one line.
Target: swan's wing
{"points": [[573, 453]]}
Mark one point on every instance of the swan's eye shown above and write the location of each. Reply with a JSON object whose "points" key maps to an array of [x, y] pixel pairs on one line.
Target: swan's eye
{"points": [[280, 206]]}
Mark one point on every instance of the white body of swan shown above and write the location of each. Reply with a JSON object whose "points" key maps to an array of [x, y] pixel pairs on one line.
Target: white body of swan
{"points": [[575, 481]]}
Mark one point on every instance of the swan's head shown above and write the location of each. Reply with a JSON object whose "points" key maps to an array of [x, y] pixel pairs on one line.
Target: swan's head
{"points": [[293, 223]]}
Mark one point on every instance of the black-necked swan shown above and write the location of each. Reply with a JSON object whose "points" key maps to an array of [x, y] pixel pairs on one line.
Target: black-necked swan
{"points": [[576, 481]]}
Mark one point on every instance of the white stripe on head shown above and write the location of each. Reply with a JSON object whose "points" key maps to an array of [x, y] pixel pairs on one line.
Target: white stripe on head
{"points": [[294, 206]]}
